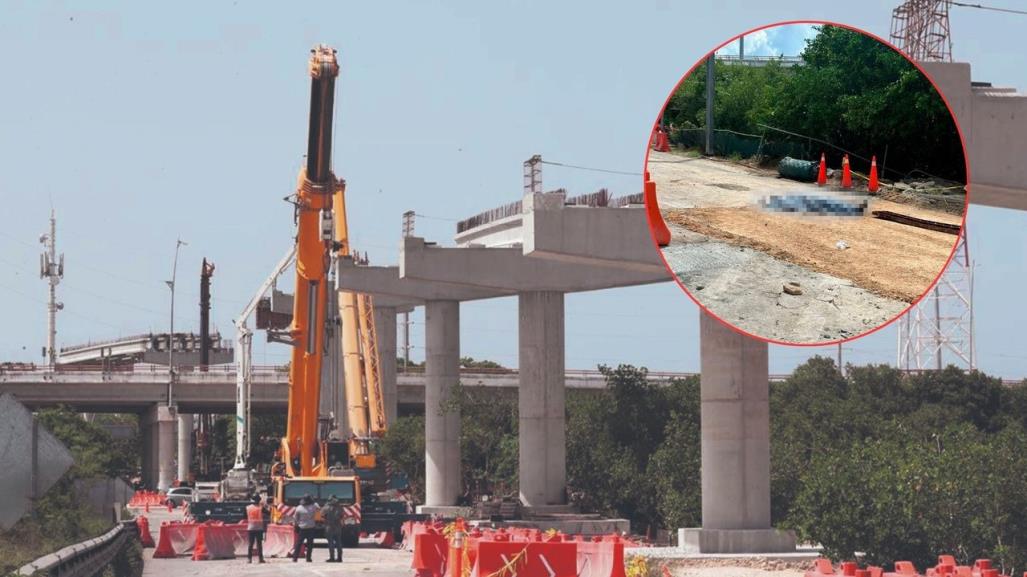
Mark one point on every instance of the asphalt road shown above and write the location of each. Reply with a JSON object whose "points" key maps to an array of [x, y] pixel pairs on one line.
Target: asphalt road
{"points": [[364, 561]]}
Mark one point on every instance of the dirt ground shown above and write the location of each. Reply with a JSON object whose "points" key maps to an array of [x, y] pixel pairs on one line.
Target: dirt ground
{"points": [[735, 258], [752, 567]]}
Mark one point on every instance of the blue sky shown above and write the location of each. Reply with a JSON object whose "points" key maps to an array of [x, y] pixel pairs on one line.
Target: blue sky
{"points": [[785, 40], [144, 124]]}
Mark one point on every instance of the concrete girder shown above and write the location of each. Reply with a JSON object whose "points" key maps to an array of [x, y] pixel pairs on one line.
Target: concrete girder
{"points": [[582, 235], [509, 270], [994, 124], [385, 281]]}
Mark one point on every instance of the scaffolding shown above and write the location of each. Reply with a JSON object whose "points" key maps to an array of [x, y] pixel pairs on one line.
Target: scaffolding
{"points": [[939, 330], [920, 28]]}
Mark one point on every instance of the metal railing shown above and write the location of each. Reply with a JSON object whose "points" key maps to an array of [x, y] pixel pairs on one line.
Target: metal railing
{"points": [[84, 559]]}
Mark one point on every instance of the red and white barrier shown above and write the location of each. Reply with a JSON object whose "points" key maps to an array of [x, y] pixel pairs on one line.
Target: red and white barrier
{"points": [[216, 541], [531, 559], [602, 559]]}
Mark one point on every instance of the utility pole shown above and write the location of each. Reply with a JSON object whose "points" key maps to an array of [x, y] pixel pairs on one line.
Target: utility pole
{"points": [[533, 175], [710, 79], [51, 268], [171, 336], [204, 428], [408, 230]]}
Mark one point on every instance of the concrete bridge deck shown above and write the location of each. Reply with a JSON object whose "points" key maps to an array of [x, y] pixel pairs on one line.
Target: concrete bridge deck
{"points": [[213, 391]]}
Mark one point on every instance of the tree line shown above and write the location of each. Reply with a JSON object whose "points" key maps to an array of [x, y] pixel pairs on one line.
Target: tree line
{"points": [[897, 466], [850, 90]]}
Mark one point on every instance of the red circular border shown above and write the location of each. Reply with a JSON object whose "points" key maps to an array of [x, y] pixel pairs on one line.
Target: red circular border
{"points": [[966, 205]]}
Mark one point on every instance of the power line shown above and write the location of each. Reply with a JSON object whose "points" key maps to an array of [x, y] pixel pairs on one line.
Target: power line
{"points": [[991, 8], [593, 169]]}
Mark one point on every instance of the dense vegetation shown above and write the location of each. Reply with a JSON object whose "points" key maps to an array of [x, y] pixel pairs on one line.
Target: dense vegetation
{"points": [[897, 466], [850, 90], [58, 518]]}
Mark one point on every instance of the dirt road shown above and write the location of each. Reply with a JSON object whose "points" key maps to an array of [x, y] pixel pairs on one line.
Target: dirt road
{"points": [[735, 258]]}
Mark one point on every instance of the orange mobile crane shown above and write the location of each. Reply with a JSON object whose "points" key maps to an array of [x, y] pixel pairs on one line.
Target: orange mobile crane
{"points": [[311, 460]]}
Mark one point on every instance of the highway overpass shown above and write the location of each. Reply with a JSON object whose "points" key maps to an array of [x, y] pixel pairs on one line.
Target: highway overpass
{"points": [[213, 391]]}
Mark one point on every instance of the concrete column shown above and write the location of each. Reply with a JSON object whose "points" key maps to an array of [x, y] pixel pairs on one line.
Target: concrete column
{"points": [[158, 425], [735, 420], [441, 424], [185, 446], [735, 413], [541, 399], [385, 328]]}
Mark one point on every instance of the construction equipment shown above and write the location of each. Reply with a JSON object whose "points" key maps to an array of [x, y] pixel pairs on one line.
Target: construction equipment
{"points": [[317, 456]]}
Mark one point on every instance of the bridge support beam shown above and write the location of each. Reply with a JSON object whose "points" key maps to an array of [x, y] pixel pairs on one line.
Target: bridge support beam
{"points": [[185, 446], [541, 399], [385, 328], [735, 420], [441, 422], [158, 427]]}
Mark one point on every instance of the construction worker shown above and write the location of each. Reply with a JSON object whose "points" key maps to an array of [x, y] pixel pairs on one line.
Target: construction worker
{"points": [[303, 520], [256, 513], [332, 514]]}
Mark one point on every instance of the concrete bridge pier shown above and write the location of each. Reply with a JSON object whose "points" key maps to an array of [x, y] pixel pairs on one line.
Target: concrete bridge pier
{"points": [[158, 432], [541, 399], [735, 420], [185, 446], [441, 422]]}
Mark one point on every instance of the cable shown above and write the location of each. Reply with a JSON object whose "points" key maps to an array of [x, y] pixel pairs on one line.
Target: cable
{"points": [[992, 8], [550, 163], [435, 218]]}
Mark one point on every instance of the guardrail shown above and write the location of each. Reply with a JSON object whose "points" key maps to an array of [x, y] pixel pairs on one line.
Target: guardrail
{"points": [[84, 559]]}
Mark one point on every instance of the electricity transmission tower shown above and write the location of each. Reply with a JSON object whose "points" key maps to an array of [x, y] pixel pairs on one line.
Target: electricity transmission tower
{"points": [[939, 330], [920, 28]]}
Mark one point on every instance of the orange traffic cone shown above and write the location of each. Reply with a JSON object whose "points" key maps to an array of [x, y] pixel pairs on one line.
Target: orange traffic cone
{"points": [[662, 142], [873, 185], [846, 173], [822, 174], [454, 563], [659, 228]]}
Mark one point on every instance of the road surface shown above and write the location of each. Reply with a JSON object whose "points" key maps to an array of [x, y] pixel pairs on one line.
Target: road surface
{"points": [[372, 562]]}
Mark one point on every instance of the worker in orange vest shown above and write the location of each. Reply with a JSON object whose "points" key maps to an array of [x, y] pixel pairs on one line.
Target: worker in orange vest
{"points": [[256, 513]]}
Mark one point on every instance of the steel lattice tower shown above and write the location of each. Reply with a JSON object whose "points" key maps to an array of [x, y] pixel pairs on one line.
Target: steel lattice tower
{"points": [[939, 330], [920, 28]]}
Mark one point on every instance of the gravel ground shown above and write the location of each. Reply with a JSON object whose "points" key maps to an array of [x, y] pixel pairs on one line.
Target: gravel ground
{"points": [[829, 307], [736, 259]]}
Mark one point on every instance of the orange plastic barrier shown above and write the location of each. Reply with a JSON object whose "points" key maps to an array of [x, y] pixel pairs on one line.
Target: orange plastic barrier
{"points": [[144, 531], [146, 498], [429, 554], [279, 541], [652, 209], [532, 559], [603, 559], [219, 541]]}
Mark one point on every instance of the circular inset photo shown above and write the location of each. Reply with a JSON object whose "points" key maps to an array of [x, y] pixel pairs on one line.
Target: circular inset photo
{"points": [[806, 183]]}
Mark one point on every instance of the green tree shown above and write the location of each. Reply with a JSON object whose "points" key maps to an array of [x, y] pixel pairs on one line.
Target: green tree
{"points": [[403, 448]]}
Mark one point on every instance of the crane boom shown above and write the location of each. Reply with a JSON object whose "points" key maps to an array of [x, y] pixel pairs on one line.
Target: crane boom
{"points": [[244, 350], [301, 450]]}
